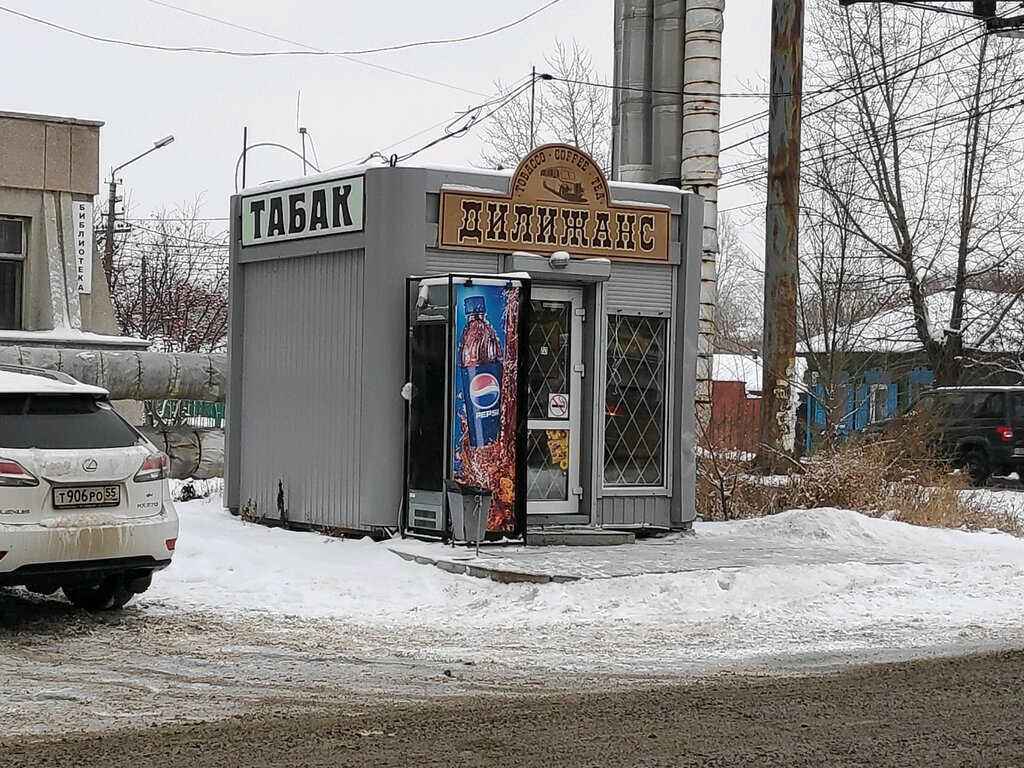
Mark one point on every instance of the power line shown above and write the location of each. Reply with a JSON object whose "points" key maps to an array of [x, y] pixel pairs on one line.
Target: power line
{"points": [[635, 89], [268, 35], [317, 52], [865, 142], [863, 90], [308, 51], [873, 70], [472, 117], [752, 164]]}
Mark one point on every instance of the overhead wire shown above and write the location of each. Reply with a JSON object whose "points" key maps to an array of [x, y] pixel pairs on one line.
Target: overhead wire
{"points": [[758, 162], [752, 118], [861, 91], [309, 50], [473, 116], [352, 52], [861, 142]]}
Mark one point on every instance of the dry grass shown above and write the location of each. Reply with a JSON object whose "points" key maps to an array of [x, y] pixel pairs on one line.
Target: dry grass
{"points": [[897, 474]]}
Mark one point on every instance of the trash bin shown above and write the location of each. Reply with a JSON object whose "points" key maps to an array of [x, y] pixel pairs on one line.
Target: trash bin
{"points": [[470, 506]]}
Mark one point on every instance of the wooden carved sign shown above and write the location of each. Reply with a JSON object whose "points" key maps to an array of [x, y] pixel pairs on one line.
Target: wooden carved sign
{"points": [[558, 200]]}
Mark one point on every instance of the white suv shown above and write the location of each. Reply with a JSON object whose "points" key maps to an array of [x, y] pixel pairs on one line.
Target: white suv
{"points": [[84, 501]]}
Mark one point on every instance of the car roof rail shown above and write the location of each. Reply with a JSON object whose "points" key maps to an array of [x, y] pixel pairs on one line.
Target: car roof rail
{"points": [[29, 370]]}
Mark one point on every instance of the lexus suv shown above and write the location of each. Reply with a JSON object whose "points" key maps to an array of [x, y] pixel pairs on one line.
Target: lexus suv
{"points": [[84, 501], [979, 428]]}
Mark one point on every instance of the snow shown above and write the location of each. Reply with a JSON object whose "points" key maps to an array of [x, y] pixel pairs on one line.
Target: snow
{"points": [[728, 367], [334, 174], [45, 382], [893, 330], [70, 336], [802, 582]]}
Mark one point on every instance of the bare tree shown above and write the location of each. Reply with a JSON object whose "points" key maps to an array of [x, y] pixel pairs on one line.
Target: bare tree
{"points": [[573, 107], [739, 291], [169, 284], [170, 280], [840, 284], [920, 158]]}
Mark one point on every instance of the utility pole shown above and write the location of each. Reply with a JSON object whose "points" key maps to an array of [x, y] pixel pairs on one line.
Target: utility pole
{"points": [[108, 245], [533, 101], [108, 242], [781, 262]]}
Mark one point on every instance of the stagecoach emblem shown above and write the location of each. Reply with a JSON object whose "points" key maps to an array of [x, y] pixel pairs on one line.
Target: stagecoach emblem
{"points": [[89, 465]]}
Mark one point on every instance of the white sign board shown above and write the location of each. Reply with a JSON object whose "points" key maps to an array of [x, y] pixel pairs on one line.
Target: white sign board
{"points": [[329, 208], [558, 406], [81, 218]]}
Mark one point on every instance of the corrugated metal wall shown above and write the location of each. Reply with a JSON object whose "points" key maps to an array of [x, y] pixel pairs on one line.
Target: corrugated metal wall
{"points": [[302, 350], [634, 510], [442, 262], [643, 288]]}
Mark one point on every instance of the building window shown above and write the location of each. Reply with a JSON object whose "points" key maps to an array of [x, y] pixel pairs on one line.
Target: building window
{"points": [[879, 403], [12, 261], [634, 433]]}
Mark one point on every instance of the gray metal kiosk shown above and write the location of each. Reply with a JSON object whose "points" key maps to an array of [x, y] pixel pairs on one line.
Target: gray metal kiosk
{"points": [[317, 343]]}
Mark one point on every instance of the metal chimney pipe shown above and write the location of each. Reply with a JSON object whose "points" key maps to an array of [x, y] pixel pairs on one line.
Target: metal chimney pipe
{"points": [[667, 96], [616, 65], [633, 79]]}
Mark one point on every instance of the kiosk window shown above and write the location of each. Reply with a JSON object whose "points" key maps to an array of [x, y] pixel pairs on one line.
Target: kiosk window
{"points": [[634, 435]]}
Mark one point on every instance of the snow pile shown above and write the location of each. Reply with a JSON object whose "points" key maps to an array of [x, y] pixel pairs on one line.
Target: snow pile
{"points": [[897, 587]]}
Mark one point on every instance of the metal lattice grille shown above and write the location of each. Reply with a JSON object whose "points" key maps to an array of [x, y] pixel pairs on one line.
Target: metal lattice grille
{"points": [[634, 438], [547, 465], [550, 324]]}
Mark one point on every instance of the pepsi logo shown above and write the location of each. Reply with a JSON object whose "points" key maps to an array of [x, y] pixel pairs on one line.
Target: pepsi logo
{"points": [[484, 391]]}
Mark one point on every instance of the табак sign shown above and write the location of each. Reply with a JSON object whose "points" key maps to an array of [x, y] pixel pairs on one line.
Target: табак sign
{"points": [[329, 208]]}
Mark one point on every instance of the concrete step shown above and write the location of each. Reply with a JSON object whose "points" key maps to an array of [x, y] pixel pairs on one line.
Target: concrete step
{"points": [[577, 537]]}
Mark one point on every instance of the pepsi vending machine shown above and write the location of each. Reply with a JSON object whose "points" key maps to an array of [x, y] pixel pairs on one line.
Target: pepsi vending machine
{"points": [[466, 385]]}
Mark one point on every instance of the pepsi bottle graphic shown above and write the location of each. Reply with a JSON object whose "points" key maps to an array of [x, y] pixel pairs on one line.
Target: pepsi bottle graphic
{"points": [[480, 356]]}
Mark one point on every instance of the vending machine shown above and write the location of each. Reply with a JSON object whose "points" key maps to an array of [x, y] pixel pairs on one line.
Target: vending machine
{"points": [[466, 383]]}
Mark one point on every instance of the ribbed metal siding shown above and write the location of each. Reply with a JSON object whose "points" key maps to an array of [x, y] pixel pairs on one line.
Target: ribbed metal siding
{"points": [[640, 288], [634, 510], [442, 262], [302, 346]]}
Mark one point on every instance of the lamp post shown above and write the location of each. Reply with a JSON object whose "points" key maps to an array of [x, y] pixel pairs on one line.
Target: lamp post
{"points": [[108, 244]]}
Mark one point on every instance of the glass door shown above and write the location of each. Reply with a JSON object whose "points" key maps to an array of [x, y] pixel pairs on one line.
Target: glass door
{"points": [[553, 402]]}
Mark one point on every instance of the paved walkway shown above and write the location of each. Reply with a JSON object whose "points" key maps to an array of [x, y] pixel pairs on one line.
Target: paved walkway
{"points": [[672, 554]]}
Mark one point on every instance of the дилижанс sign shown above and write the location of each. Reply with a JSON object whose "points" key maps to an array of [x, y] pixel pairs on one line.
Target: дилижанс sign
{"points": [[328, 208], [558, 200]]}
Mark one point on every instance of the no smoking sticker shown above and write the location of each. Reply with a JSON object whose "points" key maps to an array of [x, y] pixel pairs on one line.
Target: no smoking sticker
{"points": [[558, 406]]}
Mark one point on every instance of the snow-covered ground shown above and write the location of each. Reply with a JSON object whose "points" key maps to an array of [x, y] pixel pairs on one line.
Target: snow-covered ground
{"points": [[886, 589]]}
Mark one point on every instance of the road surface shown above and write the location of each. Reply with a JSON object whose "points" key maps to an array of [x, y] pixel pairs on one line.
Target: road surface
{"points": [[963, 711]]}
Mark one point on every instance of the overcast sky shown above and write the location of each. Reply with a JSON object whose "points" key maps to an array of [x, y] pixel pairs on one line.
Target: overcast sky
{"points": [[350, 106]]}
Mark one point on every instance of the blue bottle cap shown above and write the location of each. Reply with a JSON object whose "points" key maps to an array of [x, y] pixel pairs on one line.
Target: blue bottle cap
{"points": [[475, 305]]}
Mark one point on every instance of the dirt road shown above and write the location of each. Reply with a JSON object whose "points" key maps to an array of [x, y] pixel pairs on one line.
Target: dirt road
{"points": [[950, 712]]}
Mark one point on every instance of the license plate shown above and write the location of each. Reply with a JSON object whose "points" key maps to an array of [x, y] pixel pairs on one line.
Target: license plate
{"points": [[1018, 451], [86, 496]]}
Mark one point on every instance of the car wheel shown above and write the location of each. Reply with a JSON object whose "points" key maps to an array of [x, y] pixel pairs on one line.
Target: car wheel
{"points": [[977, 468], [111, 595]]}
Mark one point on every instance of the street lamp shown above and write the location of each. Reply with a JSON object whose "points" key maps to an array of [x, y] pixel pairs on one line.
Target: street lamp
{"points": [[108, 245]]}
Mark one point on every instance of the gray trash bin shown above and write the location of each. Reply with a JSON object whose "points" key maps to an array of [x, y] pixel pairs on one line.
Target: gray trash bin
{"points": [[470, 507]]}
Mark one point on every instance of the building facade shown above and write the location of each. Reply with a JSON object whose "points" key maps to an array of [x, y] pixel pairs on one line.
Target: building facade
{"points": [[52, 287]]}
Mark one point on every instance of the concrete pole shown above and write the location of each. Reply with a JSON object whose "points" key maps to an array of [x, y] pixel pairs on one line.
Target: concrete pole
{"points": [[781, 264], [702, 86], [108, 243]]}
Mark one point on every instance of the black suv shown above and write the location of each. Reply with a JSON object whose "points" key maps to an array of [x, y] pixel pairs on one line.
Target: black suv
{"points": [[980, 428]]}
